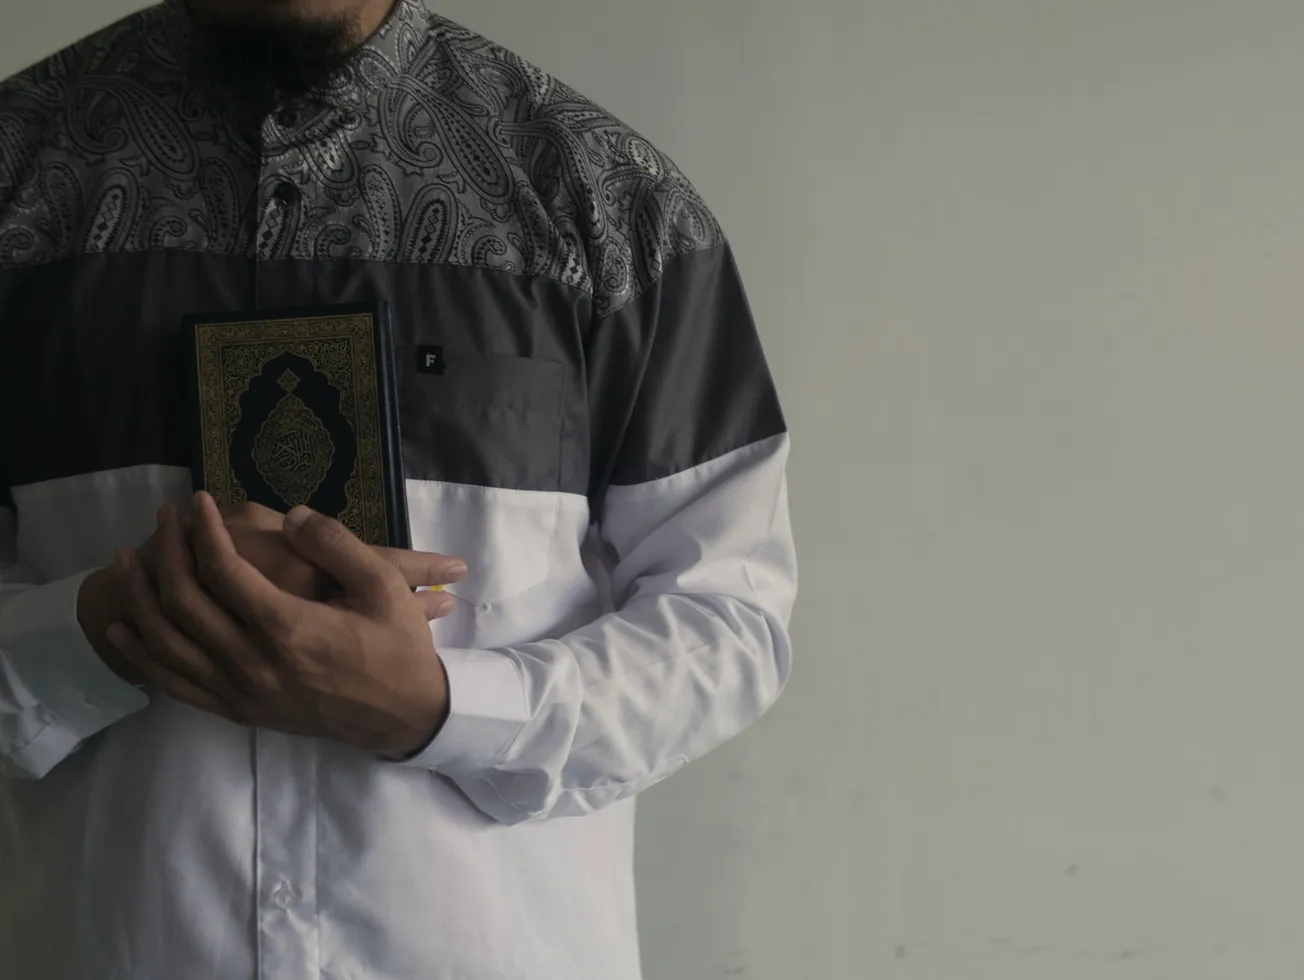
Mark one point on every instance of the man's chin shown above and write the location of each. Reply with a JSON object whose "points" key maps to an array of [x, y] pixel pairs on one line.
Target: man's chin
{"points": [[274, 46], [253, 13]]}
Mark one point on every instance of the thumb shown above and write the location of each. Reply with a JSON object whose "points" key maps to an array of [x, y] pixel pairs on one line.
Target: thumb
{"points": [[330, 546]]}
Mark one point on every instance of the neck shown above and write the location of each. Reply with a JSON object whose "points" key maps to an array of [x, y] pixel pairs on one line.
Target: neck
{"points": [[370, 15]]}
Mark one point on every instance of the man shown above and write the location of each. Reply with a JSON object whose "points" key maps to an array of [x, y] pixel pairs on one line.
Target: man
{"points": [[239, 745]]}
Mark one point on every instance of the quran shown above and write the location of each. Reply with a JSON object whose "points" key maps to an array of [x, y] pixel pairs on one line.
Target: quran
{"points": [[300, 406]]}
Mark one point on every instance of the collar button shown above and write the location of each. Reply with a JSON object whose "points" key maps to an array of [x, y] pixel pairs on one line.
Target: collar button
{"points": [[285, 192]]}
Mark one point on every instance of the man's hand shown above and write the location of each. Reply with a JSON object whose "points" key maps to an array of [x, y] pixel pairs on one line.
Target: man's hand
{"points": [[100, 604], [217, 634], [257, 534]]}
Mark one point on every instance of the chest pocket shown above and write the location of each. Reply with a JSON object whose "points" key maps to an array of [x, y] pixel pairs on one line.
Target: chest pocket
{"points": [[482, 446]]}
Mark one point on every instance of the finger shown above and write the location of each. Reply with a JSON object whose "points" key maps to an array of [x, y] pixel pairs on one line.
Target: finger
{"points": [[436, 605], [194, 612], [169, 648], [168, 645], [147, 554], [424, 567], [163, 678], [342, 555], [238, 585]]}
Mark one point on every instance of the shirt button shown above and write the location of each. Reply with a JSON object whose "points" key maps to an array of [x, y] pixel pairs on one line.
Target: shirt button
{"points": [[288, 117], [285, 192], [283, 895], [97, 701]]}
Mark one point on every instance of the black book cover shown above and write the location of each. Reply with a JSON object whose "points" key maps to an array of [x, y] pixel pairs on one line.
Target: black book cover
{"points": [[299, 406]]}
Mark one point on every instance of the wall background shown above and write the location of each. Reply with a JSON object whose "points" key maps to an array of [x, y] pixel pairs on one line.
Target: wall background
{"points": [[1030, 273]]}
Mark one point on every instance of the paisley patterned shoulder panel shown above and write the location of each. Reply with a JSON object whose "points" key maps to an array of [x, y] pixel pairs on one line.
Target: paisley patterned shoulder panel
{"points": [[433, 145]]}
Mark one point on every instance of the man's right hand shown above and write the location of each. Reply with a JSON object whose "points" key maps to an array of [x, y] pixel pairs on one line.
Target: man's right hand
{"points": [[256, 532]]}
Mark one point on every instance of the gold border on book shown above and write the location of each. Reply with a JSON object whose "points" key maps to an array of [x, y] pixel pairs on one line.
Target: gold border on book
{"points": [[341, 348]]}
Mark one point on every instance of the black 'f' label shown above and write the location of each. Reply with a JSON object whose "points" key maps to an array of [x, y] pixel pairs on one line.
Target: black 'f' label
{"points": [[430, 360]]}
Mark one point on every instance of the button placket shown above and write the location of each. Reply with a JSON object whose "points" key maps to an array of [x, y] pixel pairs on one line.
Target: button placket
{"points": [[281, 199], [285, 767], [286, 810]]}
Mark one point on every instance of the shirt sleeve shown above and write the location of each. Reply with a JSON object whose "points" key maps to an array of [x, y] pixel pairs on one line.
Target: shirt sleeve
{"points": [[55, 692], [689, 456]]}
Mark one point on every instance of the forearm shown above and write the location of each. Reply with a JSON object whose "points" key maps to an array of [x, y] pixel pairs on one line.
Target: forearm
{"points": [[573, 725], [697, 652], [56, 689]]}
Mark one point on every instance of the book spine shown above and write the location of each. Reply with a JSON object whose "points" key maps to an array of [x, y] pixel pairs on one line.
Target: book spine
{"points": [[399, 531]]}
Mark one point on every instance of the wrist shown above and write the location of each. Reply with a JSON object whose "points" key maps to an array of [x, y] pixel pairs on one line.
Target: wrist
{"points": [[432, 722]]}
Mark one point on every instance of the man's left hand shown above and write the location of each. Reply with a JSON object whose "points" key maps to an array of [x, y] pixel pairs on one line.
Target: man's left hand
{"points": [[220, 636]]}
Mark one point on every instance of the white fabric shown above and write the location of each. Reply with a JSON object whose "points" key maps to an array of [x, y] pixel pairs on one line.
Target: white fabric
{"points": [[150, 840]]}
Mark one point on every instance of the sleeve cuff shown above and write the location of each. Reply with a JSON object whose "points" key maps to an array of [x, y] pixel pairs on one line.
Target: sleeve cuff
{"points": [[51, 657], [487, 711]]}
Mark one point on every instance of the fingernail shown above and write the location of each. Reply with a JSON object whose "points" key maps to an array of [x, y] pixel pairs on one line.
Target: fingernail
{"points": [[117, 635], [296, 517], [122, 559], [446, 603], [458, 569]]}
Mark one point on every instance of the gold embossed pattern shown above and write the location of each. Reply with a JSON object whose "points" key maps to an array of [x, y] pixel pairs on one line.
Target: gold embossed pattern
{"points": [[293, 450]]}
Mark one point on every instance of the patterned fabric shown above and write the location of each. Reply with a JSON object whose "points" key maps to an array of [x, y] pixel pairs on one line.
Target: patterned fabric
{"points": [[433, 145]]}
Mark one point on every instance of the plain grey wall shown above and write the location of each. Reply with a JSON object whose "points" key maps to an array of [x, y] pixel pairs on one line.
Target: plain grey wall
{"points": [[1029, 276]]}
